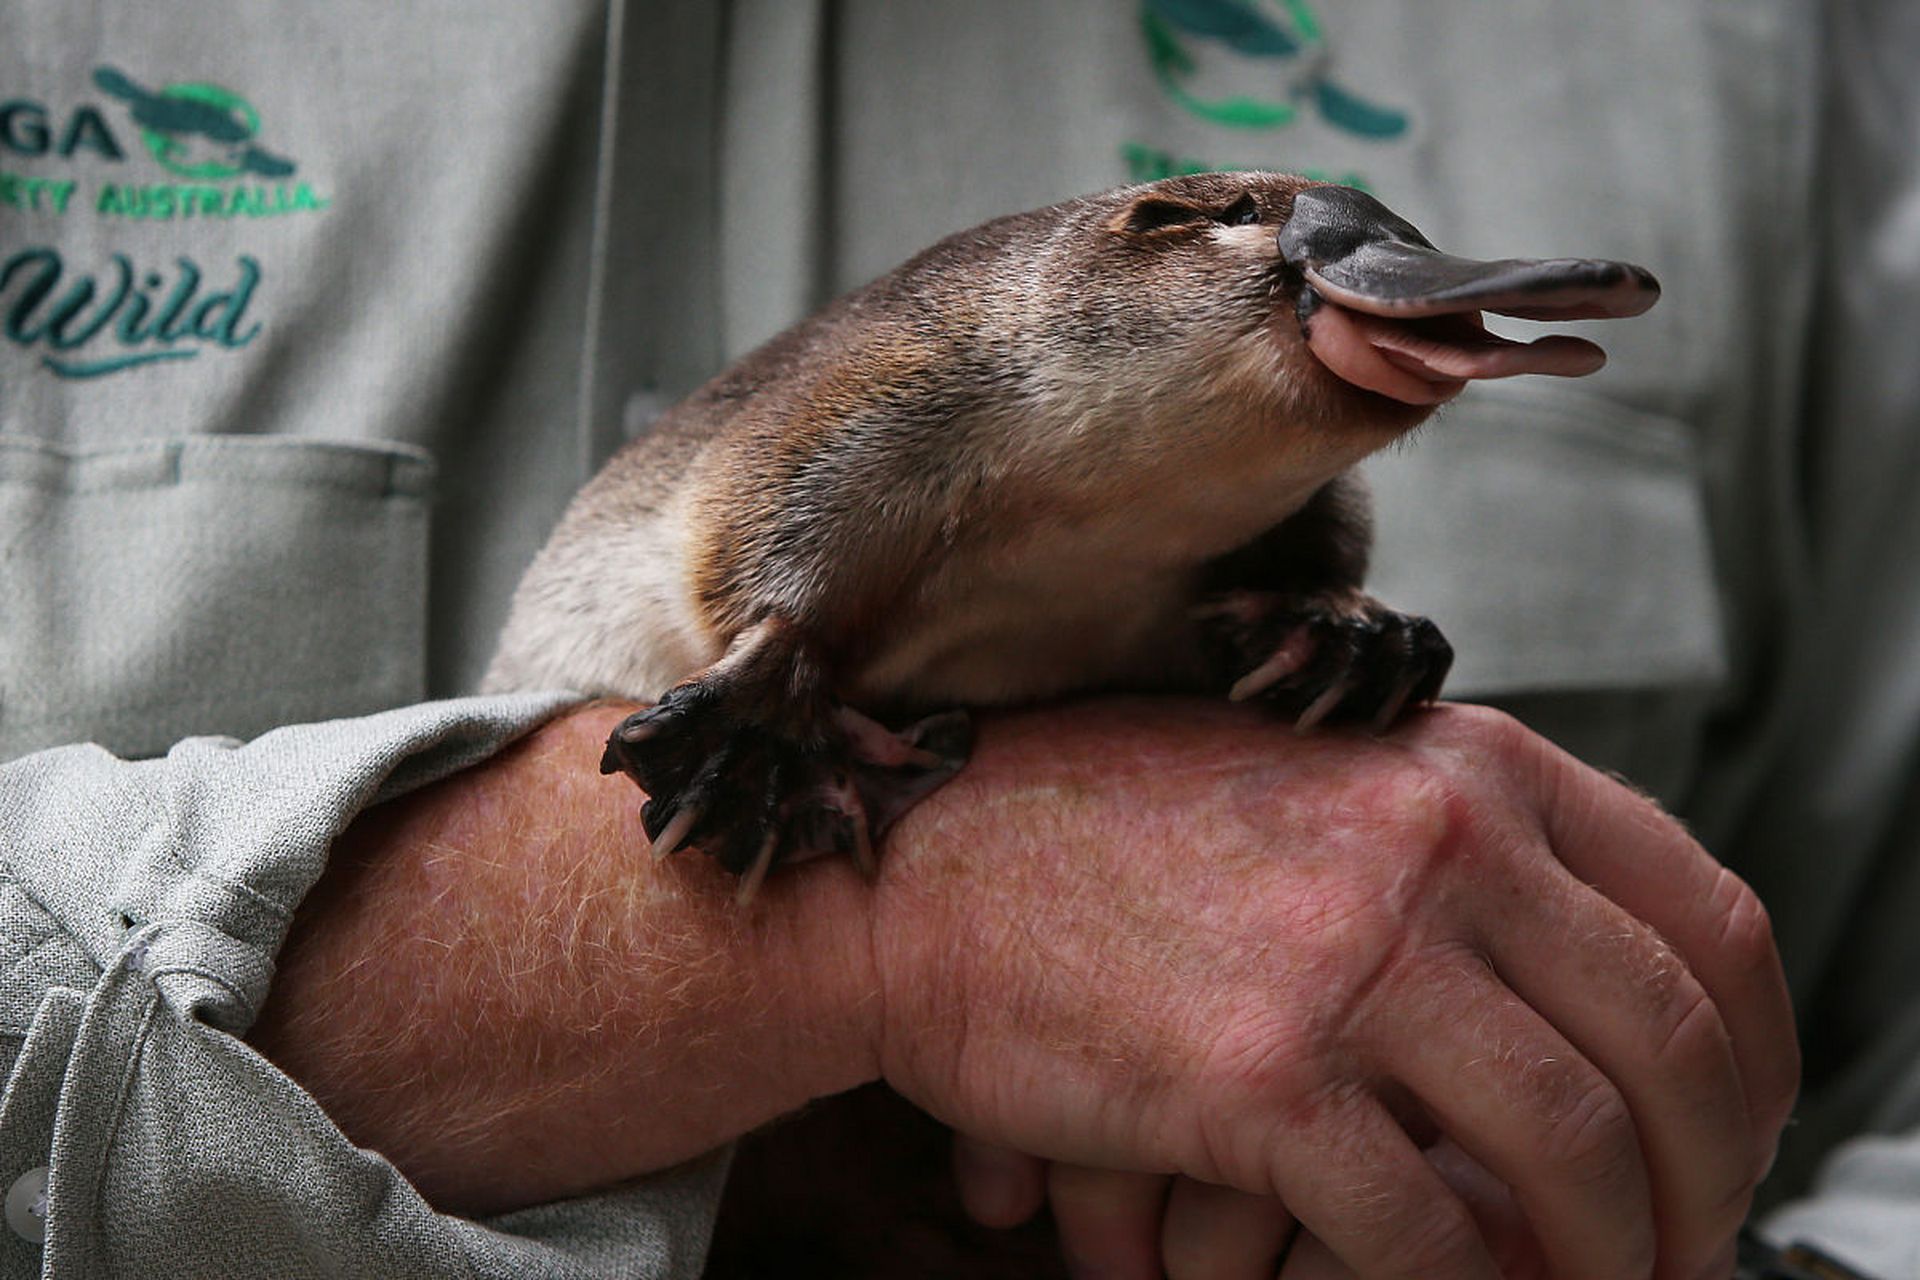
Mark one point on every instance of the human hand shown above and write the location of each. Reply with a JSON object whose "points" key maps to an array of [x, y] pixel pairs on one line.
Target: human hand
{"points": [[1124, 1225], [1172, 938]]}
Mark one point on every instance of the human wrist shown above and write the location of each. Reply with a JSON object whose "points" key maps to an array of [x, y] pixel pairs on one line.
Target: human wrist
{"points": [[775, 1002], [802, 949], [568, 1012], [815, 950]]}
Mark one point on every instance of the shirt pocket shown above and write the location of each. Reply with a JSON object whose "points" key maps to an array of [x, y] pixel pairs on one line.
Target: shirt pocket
{"points": [[1561, 542], [210, 584]]}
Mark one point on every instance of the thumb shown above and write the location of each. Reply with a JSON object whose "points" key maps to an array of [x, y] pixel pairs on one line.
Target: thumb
{"points": [[999, 1187]]}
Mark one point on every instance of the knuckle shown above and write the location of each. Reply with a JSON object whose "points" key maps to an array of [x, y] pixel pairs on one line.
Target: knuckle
{"points": [[1733, 1206], [1263, 1058], [1742, 924], [1414, 807], [1637, 1251], [1439, 1239], [1665, 987], [1590, 1137], [1743, 930], [1489, 731], [1436, 807], [1689, 1039], [1692, 1044], [1632, 1251], [1680, 1025]]}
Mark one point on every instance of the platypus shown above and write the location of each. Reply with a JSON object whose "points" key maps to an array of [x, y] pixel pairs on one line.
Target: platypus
{"points": [[1104, 445]]}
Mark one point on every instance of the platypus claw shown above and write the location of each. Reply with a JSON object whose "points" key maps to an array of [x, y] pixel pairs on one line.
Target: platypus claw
{"points": [[755, 793], [1340, 656]]}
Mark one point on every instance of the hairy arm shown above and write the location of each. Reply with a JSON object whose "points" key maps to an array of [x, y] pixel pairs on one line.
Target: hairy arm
{"points": [[495, 986], [1144, 935]]}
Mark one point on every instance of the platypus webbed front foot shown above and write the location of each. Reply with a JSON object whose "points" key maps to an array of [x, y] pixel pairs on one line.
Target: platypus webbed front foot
{"points": [[1333, 656], [751, 762]]}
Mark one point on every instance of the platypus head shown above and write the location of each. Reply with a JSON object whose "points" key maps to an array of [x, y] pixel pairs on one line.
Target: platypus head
{"points": [[1309, 304], [1385, 310]]}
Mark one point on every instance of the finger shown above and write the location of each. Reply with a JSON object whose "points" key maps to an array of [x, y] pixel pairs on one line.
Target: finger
{"points": [[1626, 847], [1109, 1221], [1490, 1201], [1505, 1229], [1218, 1233], [999, 1187], [1510, 1090], [1625, 998], [1311, 1260], [1354, 1179]]}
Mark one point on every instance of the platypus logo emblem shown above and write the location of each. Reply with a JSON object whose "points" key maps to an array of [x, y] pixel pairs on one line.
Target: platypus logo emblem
{"points": [[1285, 36], [197, 131]]}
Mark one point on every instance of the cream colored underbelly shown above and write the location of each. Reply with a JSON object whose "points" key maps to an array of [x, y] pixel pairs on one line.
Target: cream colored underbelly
{"points": [[1011, 637], [1102, 602]]}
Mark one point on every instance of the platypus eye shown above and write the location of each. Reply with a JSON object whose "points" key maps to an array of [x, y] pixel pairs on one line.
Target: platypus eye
{"points": [[1241, 213], [1154, 213]]}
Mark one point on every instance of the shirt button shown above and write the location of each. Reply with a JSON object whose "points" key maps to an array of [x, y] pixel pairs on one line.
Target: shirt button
{"points": [[27, 1205]]}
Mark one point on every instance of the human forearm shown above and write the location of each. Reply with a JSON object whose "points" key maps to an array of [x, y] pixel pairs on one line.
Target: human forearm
{"points": [[1144, 935], [494, 986]]}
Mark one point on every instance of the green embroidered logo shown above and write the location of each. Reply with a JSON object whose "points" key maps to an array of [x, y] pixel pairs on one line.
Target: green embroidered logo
{"points": [[146, 316], [1253, 67], [1287, 39], [202, 136], [85, 317], [198, 131]]}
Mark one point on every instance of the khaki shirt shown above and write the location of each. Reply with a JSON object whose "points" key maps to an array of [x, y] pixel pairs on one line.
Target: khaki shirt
{"points": [[441, 259]]}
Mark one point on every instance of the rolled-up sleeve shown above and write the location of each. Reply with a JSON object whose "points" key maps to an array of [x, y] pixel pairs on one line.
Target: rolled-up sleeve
{"points": [[142, 904]]}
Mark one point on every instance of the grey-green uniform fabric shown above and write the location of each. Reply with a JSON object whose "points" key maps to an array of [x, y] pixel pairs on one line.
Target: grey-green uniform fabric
{"points": [[287, 402], [142, 908]]}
